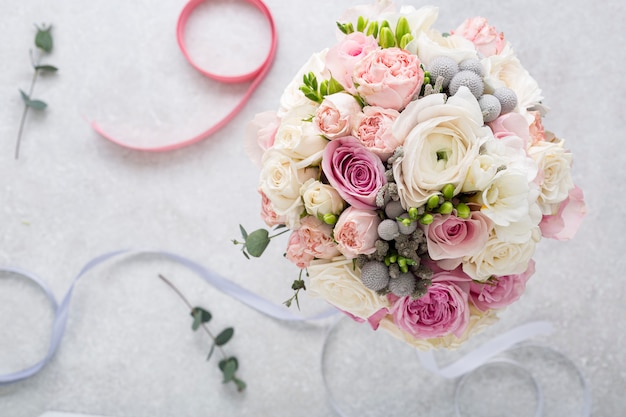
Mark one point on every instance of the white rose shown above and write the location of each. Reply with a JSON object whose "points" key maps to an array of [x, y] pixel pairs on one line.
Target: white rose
{"points": [[292, 96], [505, 70], [505, 199], [320, 199], [431, 44], [440, 141], [555, 180], [501, 258], [338, 282], [336, 115], [299, 140], [280, 180]]}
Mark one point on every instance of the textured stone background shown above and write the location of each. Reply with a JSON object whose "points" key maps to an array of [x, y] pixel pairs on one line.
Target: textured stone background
{"points": [[128, 350]]}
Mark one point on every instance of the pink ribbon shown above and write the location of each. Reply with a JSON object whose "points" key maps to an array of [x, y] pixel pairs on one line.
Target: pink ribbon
{"points": [[256, 76]]}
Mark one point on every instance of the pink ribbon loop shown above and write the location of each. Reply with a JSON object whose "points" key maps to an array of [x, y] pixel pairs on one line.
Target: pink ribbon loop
{"points": [[256, 76]]}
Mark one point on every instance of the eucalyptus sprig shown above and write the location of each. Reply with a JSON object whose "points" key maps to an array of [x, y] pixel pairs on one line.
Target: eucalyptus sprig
{"points": [[44, 43], [297, 285], [255, 243], [228, 365]]}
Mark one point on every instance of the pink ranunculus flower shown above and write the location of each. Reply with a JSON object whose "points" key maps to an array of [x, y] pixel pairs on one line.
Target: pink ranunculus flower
{"points": [[442, 311], [268, 214], [341, 59], [501, 293], [312, 240], [451, 237], [374, 128], [336, 115], [356, 232], [485, 38], [565, 223], [511, 124], [356, 173], [259, 135], [388, 78]]}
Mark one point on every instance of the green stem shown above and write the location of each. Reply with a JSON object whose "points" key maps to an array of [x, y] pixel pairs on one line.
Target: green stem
{"points": [[278, 234], [25, 112], [204, 326]]}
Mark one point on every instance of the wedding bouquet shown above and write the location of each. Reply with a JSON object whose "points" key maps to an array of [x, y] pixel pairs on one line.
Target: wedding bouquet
{"points": [[414, 173]]}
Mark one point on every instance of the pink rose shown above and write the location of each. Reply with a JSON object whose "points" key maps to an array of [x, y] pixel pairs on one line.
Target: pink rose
{"points": [[511, 124], [268, 214], [356, 232], [259, 135], [564, 224], [388, 78], [373, 127], [341, 59], [443, 310], [485, 38], [506, 290], [356, 173], [334, 117], [312, 240], [451, 237]]}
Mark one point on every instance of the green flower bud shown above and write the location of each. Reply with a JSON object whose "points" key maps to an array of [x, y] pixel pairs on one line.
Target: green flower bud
{"points": [[462, 211], [329, 218], [361, 24], [427, 219], [446, 208], [413, 213], [432, 202], [372, 29], [386, 38], [402, 28], [405, 40], [448, 191]]}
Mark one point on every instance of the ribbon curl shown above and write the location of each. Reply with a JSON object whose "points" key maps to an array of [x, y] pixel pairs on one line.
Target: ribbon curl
{"points": [[256, 76]]}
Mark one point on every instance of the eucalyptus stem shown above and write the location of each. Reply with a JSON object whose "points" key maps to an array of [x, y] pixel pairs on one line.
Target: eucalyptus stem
{"points": [[26, 107], [188, 304]]}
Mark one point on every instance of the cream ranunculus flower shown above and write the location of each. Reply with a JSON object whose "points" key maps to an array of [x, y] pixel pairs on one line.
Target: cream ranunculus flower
{"points": [[501, 258], [431, 44], [299, 140], [292, 96], [505, 199], [506, 70], [320, 199], [554, 179], [280, 180], [441, 140], [339, 282]]}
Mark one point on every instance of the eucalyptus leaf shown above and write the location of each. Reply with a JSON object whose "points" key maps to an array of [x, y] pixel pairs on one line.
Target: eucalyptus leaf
{"points": [[36, 104], [200, 316], [211, 352], [240, 384], [257, 241], [230, 367], [224, 336], [43, 39], [25, 97], [50, 68], [243, 232]]}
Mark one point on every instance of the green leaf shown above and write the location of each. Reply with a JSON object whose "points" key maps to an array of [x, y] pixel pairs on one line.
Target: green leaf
{"points": [[224, 336], [36, 104], [256, 242], [25, 97], [50, 68], [228, 367], [243, 232], [334, 86], [211, 352], [43, 39], [200, 316]]}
